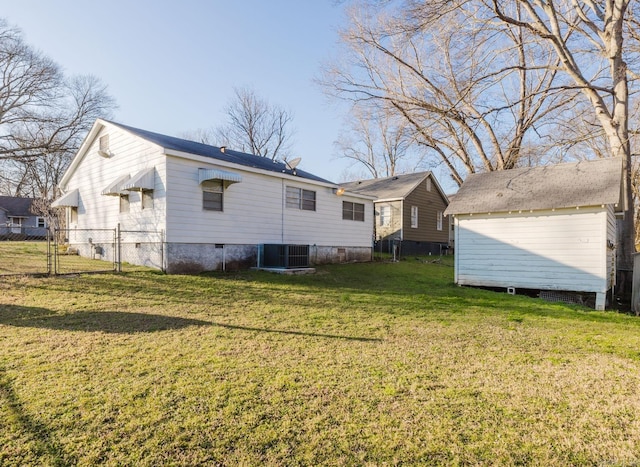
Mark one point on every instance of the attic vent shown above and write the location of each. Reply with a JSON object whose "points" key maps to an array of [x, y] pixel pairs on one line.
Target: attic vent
{"points": [[104, 146], [428, 184]]}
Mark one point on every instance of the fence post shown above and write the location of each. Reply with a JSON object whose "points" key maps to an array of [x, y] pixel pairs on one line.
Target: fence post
{"points": [[162, 247], [56, 236], [119, 251]]}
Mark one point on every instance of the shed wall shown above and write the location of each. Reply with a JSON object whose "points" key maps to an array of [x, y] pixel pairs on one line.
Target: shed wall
{"points": [[550, 250]]}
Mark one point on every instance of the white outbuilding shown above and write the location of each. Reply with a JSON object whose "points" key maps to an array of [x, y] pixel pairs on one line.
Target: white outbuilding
{"points": [[542, 228]]}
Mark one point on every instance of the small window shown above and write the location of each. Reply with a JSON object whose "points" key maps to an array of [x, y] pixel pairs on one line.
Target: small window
{"points": [[429, 184], [73, 215], [212, 195], [124, 203], [352, 211], [297, 198], [42, 223], [104, 143], [414, 217], [147, 199], [439, 220], [385, 216]]}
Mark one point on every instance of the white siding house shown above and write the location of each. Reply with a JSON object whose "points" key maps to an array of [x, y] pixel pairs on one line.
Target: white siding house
{"points": [[214, 207], [545, 228]]}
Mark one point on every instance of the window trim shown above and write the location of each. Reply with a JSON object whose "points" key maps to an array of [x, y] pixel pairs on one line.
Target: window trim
{"points": [[213, 188], [300, 198], [385, 221], [146, 199], [125, 203], [414, 217], [350, 213], [439, 220]]}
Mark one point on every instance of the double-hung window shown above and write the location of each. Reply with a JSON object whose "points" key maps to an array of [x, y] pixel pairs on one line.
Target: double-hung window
{"points": [[213, 195], [352, 211], [439, 220], [385, 216], [298, 198], [414, 217]]}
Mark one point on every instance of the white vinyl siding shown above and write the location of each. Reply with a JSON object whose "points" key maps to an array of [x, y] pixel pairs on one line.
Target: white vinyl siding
{"points": [[129, 154], [255, 211], [561, 250]]}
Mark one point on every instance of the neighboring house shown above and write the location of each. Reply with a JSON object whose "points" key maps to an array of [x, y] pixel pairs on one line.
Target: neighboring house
{"points": [[216, 208], [409, 212], [17, 220], [544, 228]]}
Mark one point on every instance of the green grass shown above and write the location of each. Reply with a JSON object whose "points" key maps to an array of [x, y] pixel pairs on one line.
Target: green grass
{"points": [[360, 364]]}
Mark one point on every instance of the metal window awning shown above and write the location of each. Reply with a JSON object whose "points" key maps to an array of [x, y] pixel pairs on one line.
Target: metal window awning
{"points": [[115, 188], [69, 199], [143, 180], [218, 174]]}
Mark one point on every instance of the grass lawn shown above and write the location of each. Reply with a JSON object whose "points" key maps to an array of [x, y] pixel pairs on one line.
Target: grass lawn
{"points": [[360, 364]]}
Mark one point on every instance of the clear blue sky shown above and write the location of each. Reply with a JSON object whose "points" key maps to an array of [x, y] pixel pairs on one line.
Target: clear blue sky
{"points": [[172, 66]]}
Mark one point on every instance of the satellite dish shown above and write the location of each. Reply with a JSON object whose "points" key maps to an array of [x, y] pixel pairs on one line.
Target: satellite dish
{"points": [[293, 163]]}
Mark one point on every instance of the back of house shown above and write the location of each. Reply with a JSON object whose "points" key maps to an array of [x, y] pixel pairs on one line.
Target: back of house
{"points": [[409, 212], [207, 207], [19, 219]]}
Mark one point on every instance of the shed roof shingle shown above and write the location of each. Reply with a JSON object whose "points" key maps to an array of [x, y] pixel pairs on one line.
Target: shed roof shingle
{"points": [[568, 185]]}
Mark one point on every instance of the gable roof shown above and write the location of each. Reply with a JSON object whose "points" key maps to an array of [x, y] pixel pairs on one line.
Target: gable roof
{"points": [[389, 188], [569, 185], [16, 207], [171, 143]]}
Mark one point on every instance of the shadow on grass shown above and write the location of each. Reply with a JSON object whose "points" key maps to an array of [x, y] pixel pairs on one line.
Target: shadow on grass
{"points": [[121, 322], [297, 333], [45, 447], [93, 321]]}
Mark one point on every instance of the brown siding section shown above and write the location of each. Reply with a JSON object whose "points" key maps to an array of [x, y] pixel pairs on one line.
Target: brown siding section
{"points": [[429, 203]]}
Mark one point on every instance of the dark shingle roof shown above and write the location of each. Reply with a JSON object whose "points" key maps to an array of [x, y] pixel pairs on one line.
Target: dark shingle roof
{"points": [[570, 185], [395, 187], [18, 207], [235, 157]]}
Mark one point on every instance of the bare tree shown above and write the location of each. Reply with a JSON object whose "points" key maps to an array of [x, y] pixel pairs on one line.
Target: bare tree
{"points": [[255, 126], [475, 111], [487, 84], [377, 142], [43, 117]]}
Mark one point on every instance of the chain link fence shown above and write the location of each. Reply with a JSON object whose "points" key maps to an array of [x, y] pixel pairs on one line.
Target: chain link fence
{"points": [[74, 251]]}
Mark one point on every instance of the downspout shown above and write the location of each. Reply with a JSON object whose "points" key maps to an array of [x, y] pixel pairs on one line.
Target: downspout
{"points": [[282, 211]]}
